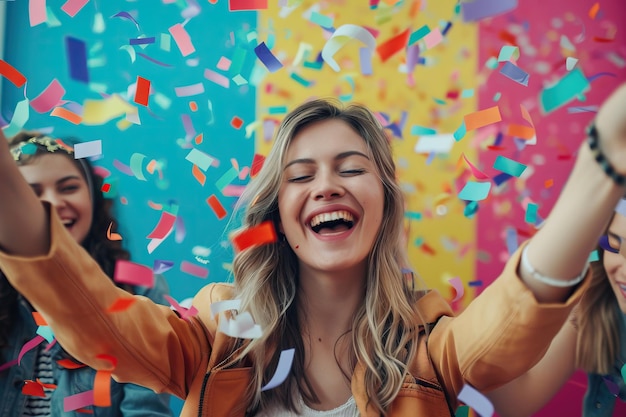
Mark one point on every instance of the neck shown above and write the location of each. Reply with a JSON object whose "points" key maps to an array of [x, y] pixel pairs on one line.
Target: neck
{"points": [[329, 301]]}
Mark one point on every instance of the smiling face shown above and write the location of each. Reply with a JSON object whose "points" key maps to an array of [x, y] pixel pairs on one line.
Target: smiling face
{"points": [[57, 180], [331, 198], [615, 263]]}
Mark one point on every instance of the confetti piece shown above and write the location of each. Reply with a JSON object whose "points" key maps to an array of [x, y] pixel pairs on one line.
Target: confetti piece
{"points": [[481, 9], [267, 58], [66, 114], [340, 37], [509, 166], [78, 401], [531, 213], [163, 227], [570, 63], [263, 233], [76, 51], [185, 313], [182, 39], [241, 326], [49, 97], [102, 388], [39, 320], [88, 149], [189, 90], [236, 122], [33, 388], [239, 5], [121, 304], [393, 45], [477, 401], [136, 162], [199, 158], [482, 118], [282, 369], [433, 39], [12, 74], [515, 73], [198, 174], [98, 112], [223, 64], [127, 272], [31, 344], [163, 64], [216, 206], [508, 53], [458, 287], [72, 7], [195, 270], [37, 12], [475, 191], [257, 164], [142, 92], [218, 79], [478, 174], [441, 143], [141, 41], [573, 84], [126, 16]]}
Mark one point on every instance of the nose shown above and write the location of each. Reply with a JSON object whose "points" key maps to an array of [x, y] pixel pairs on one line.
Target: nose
{"points": [[52, 197], [327, 186]]}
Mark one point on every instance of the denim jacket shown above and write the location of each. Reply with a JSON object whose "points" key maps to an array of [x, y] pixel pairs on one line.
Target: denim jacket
{"points": [[127, 400], [604, 390]]}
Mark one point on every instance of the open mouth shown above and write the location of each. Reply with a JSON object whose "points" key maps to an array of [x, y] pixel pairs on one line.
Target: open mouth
{"points": [[68, 223], [332, 222]]}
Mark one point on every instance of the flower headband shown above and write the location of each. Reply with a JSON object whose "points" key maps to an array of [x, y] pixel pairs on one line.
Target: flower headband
{"points": [[29, 147]]}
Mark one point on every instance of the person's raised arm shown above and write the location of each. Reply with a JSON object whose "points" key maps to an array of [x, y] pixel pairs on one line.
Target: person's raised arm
{"points": [[23, 221], [561, 247]]}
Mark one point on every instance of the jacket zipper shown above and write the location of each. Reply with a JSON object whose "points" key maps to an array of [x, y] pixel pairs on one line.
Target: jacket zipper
{"points": [[205, 380]]}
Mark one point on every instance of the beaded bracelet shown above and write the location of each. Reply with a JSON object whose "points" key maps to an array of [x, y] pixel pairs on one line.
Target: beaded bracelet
{"points": [[598, 155], [553, 282]]}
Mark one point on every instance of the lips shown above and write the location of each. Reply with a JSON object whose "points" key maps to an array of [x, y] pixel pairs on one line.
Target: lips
{"points": [[332, 220]]}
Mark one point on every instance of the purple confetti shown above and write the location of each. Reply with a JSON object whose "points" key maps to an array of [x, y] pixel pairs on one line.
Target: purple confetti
{"points": [[267, 58], [76, 52]]}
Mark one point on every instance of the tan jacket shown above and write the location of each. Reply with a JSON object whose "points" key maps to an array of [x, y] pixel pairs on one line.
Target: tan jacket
{"points": [[500, 335]]}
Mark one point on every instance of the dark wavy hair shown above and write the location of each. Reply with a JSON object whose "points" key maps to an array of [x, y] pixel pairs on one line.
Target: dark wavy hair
{"points": [[103, 250]]}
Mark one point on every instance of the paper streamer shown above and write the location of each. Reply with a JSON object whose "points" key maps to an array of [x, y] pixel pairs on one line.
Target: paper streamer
{"points": [[217, 207], [267, 58], [185, 313], [77, 401], [282, 369], [565, 90], [195, 270], [477, 401], [127, 272], [482, 118], [49, 97], [239, 5], [12, 74], [88, 149], [458, 287], [515, 73], [218, 307], [340, 37], [37, 12], [31, 344], [475, 191], [509, 166], [163, 227]]}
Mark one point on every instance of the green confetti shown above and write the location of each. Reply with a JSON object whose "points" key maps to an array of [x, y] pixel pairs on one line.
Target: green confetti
{"points": [[509, 166]]}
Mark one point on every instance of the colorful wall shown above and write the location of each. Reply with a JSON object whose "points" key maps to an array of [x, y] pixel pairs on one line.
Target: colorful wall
{"points": [[185, 94]]}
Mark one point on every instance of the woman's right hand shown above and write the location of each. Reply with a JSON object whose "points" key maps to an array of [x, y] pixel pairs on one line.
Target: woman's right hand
{"points": [[611, 126]]}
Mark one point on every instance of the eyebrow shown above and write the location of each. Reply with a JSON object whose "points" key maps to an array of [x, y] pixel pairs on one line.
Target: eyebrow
{"points": [[342, 155], [59, 181]]}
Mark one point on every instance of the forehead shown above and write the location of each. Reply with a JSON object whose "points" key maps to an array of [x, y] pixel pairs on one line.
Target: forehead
{"points": [[49, 167], [325, 138]]}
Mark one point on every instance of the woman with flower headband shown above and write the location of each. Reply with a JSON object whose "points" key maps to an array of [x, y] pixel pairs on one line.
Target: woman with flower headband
{"points": [[332, 288], [72, 189], [594, 340]]}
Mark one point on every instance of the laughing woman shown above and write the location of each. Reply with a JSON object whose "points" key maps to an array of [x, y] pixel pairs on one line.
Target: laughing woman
{"points": [[70, 188], [332, 287]]}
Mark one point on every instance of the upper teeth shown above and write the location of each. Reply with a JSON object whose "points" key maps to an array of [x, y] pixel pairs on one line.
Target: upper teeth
{"points": [[328, 217]]}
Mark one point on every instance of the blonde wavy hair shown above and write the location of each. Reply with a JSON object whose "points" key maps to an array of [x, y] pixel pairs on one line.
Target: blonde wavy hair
{"points": [[384, 329], [598, 318]]}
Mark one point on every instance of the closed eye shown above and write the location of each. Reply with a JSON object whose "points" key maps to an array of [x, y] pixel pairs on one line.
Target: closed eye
{"points": [[353, 171], [302, 178]]}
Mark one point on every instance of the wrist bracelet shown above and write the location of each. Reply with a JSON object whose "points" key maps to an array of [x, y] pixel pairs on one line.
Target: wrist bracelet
{"points": [[553, 282], [598, 155]]}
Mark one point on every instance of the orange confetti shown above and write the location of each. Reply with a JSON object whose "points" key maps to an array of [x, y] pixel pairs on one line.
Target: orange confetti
{"points": [[121, 304], [199, 139], [113, 236], [39, 320], [520, 131], [482, 118], [391, 46], [261, 234], [142, 91], [193, 106], [66, 114], [548, 183], [594, 10], [236, 122], [102, 389], [198, 174], [217, 207], [70, 364]]}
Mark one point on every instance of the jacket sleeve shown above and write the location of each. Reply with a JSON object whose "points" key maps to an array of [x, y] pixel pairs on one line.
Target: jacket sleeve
{"points": [[146, 343], [499, 336]]}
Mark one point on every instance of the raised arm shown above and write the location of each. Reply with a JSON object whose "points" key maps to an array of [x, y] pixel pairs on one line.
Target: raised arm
{"points": [[23, 221], [561, 247]]}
